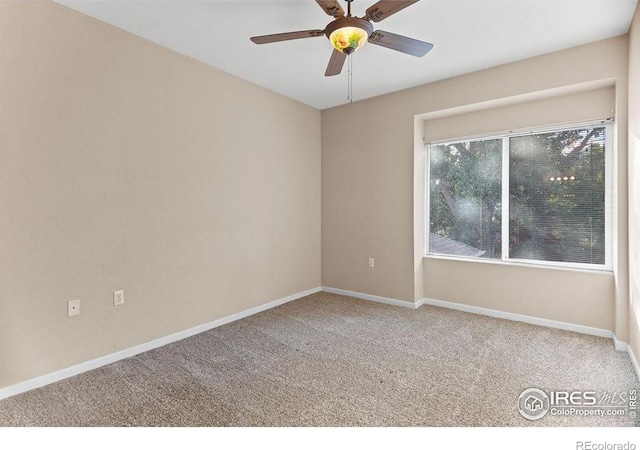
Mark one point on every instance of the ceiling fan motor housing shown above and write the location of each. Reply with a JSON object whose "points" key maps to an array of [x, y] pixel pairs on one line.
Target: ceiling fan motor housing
{"points": [[346, 33]]}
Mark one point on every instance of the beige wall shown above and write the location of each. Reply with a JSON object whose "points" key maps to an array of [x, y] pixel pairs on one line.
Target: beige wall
{"points": [[563, 295], [373, 192], [634, 180], [367, 201], [124, 165], [586, 105]]}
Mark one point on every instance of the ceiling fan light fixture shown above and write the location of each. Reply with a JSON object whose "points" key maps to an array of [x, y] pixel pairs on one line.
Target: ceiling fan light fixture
{"points": [[348, 34], [348, 39]]}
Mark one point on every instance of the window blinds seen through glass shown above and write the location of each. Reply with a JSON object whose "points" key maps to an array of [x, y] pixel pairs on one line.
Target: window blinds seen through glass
{"points": [[557, 196]]}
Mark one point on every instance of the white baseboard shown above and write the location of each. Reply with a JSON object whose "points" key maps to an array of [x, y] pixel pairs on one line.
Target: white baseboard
{"points": [[624, 347], [373, 298], [485, 312], [520, 318], [619, 345], [132, 351], [634, 361]]}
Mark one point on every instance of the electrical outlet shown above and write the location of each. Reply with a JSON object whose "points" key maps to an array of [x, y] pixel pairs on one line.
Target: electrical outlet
{"points": [[73, 308], [118, 298], [371, 262]]}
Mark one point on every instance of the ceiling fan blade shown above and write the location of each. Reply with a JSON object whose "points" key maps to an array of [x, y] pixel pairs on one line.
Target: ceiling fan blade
{"points": [[268, 38], [335, 63], [331, 7], [400, 43], [385, 8]]}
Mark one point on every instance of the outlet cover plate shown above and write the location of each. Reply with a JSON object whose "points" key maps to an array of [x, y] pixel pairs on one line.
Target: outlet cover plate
{"points": [[118, 298], [73, 307]]}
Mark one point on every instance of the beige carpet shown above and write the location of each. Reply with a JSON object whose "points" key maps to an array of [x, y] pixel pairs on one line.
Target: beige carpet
{"points": [[328, 360]]}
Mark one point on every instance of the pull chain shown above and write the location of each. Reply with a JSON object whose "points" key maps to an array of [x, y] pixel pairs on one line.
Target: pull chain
{"points": [[349, 64], [350, 80]]}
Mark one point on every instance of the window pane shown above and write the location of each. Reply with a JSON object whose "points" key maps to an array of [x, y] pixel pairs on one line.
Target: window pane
{"points": [[465, 192], [556, 196]]}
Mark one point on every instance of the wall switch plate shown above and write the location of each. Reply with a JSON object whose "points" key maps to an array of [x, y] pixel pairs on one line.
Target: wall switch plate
{"points": [[371, 262], [118, 298], [73, 308]]}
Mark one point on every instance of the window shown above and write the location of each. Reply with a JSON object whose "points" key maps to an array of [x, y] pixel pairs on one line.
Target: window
{"points": [[551, 185]]}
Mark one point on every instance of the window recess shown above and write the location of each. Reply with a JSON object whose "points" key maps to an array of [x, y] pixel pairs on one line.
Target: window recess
{"points": [[539, 196]]}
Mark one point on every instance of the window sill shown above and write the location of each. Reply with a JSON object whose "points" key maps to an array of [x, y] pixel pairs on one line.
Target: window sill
{"points": [[520, 263]]}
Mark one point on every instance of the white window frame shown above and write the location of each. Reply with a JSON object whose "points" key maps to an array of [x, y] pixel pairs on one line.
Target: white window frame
{"points": [[505, 136]]}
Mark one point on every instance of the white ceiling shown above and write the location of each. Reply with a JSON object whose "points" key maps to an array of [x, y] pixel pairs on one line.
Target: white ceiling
{"points": [[468, 35]]}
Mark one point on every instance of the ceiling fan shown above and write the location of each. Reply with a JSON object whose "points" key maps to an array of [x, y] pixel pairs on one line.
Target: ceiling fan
{"points": [[347, 33]]}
